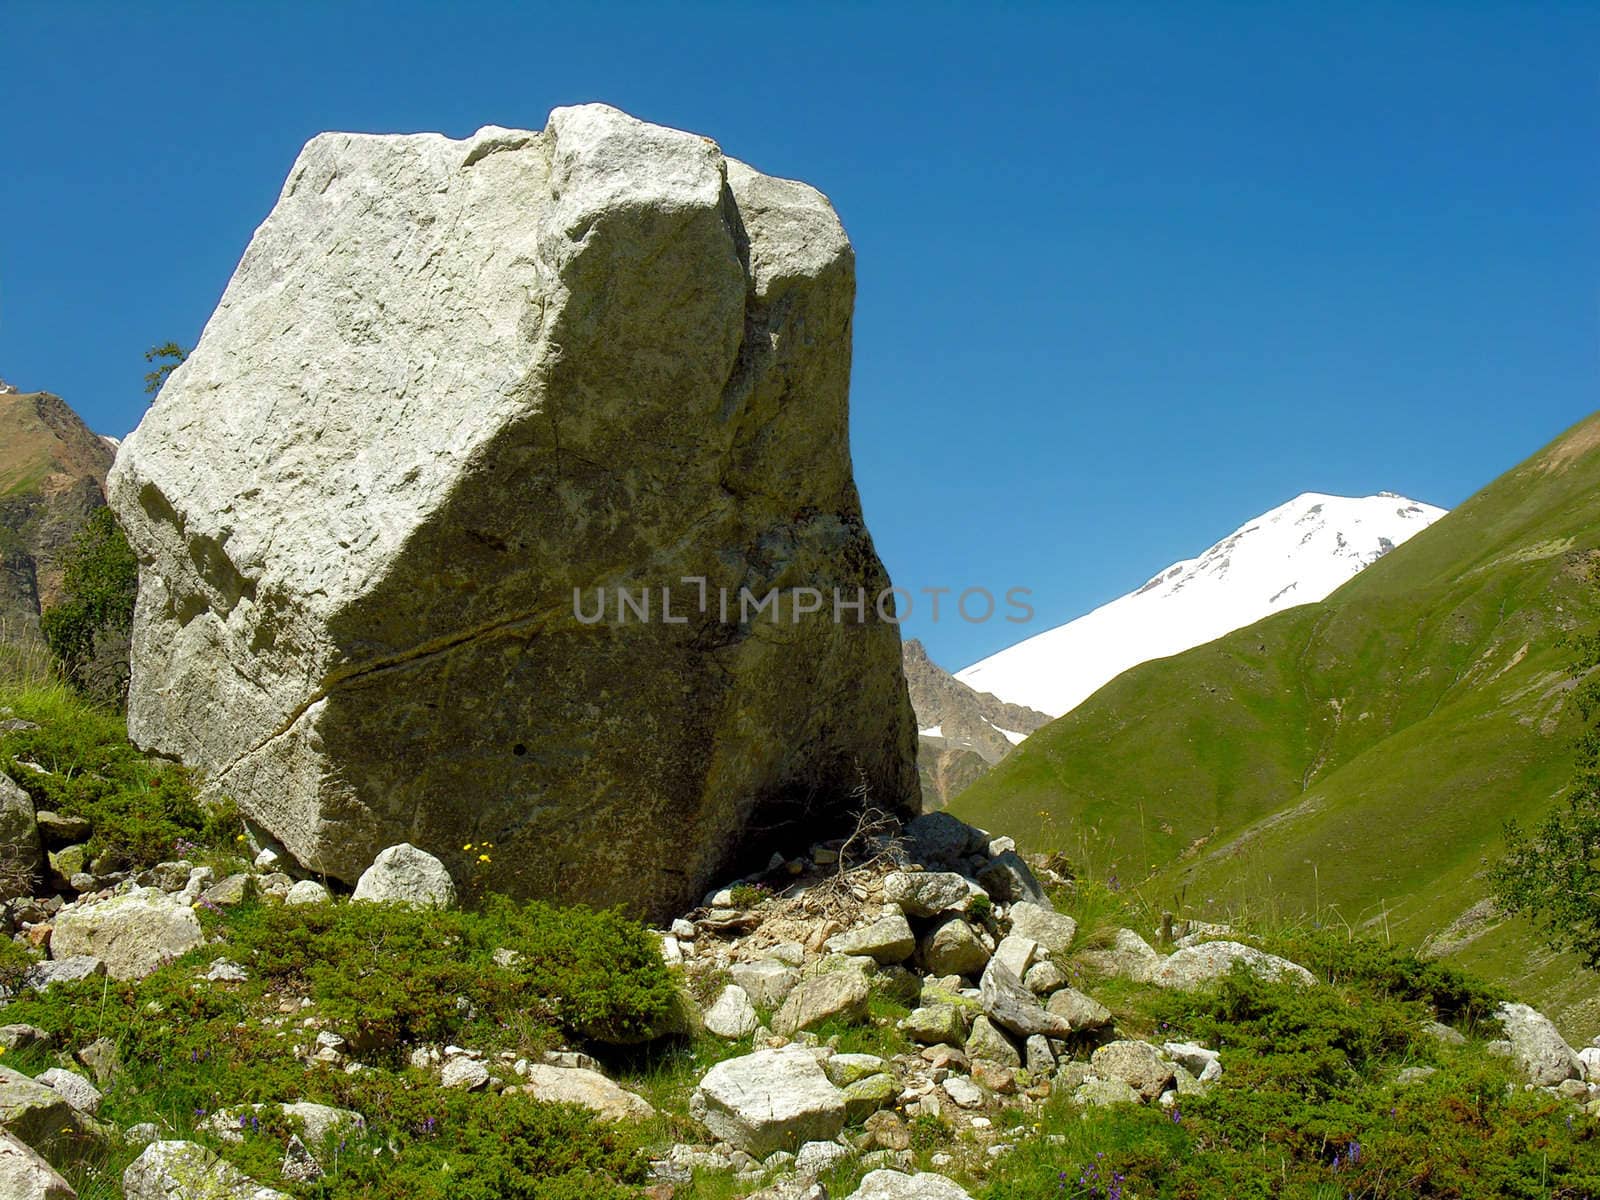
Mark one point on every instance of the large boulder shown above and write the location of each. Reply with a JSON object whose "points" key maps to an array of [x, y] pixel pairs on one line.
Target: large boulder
{"points": [[133, 933], [841, 993], [768, 1101], [436, 523], [1538, 1046], [44, 1119], [1011, 1006]]}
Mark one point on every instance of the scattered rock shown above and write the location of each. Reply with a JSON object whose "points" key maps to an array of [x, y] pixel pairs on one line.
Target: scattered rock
{"points": [[1137, 1064], [298, 1164], [1444, 1034], [868, 1095], [78, 1091], [1081, 1012], [732, 1016], [1044, 978], [307, 891], [963, 1092], [1204, 1064], [1410, 1075], [1104, 1091], [816, 1157], [587, 1089], [766, 981], [770, 1100], [844, 1069], [888, 1131], [133, 934], [926, 893], [467, 1074], [1545, 1057], [44, 975], [22, 1037], [1008, 879], [895, 1185], [952, 948], [103, 1060], [1589, 1057], [403, 874], [1012, 1006], [989, 1043], [932, 1024], [1052, 930], [24, 1175], [187, 1171], [1129, 956], [838, 993], [887, 940], [1196, 966], [223, 970]]}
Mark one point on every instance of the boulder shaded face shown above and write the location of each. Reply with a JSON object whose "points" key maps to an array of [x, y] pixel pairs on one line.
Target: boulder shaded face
{"points": [[457, 397]]}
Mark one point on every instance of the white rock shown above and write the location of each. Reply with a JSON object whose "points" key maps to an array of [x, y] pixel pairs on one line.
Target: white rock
{"points": [[267, 860], [132, 934], [963, 1092], [78, 1091], [587, 1089], [465, 1073], [732, 1016], [816, 1157], [770, 1100], [307, 891], [450, 382], [1589, 1056], [1536, 1043], [24, 1175], [1196, 966], [926, 893], [186, 1171], [896, 1185], [407, 875], [766, 981], [1052, 930], [1196, 1059]]}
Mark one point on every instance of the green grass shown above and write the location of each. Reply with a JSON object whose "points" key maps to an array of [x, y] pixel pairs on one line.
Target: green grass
{"points": [[1357, 758]]}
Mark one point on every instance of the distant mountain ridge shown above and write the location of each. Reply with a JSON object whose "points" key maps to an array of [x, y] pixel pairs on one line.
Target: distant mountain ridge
{"points": [[1294, 554], [1354, 760], [961, 733], [52, 475]]}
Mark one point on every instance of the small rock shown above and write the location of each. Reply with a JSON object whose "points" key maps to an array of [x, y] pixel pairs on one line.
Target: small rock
{"points": [[1012, 1006], [815, 1158], [406, 875], [23, 1037], [767, 982], [770, 1100], [1008, 879], [307, 891], [931, 1025], [1104, 1091], [58, 829], [886, 940], [1044, 978], [895, 1185], [298, 1165], [953, 948], [888, 1131], [988, 1042], [103, 1060], [187, 1171], [586, 1089], [1544, 1054], [224, 971], [963, 1092], [133, 934], [840, 993], [1052, 930], [78, 1091], [732, 1016], [464, 1073], [844, 1069], [682, 929], [926, 893], [868, 1095], [1082, 1012], [1411, 1075], [1137, 1064], [1040, 1059], [1196, 966]]}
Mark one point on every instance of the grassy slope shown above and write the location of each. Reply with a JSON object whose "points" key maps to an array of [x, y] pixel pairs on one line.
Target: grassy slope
{"points": [[1360, 754]]}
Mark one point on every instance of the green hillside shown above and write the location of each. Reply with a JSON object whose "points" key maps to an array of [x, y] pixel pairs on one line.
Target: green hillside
{"points": [[1354, 759]]}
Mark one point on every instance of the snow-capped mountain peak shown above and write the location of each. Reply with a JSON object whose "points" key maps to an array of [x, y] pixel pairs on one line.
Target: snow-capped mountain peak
{"points": [[1295, 554]]}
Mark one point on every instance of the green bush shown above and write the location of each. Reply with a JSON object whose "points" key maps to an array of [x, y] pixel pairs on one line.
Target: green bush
{"points": [[1394, 972], [391, 974], [139, 809]]}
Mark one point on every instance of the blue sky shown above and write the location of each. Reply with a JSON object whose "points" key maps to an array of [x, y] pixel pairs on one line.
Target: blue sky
{"points": [[1129, 274]]}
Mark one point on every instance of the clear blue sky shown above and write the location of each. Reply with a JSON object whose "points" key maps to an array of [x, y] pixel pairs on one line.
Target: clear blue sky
{"points": [[1129, 274]]}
